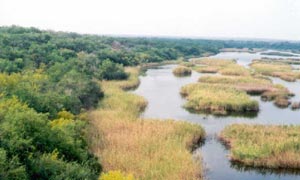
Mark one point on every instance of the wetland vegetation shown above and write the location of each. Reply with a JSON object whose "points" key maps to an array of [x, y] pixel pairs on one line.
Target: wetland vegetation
{"points": [[207, 65], [217, 99], [182, 71], [263, 146], [275, 53], [222, 66], [145, 148], [276, 69], [254, 85]]}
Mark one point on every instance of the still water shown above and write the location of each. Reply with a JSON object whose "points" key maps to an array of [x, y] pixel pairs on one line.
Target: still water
{"points": [[161, 89]]}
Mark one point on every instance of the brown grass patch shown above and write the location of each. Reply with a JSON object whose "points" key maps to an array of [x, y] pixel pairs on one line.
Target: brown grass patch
{"points": [[275, 69], [148, 149]]}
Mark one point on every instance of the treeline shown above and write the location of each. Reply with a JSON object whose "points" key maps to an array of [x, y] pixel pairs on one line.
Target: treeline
{"points": [[277, 45], [47, 82], [32, 48]]}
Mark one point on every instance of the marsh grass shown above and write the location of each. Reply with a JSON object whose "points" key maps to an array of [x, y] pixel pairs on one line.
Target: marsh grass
{"points": [[281, 60], [206, 69], [217, 99], [148, 149], [213, 62], [182, 71], [282, 102], [235, 70], [254, 85], [280, 92], [265, 146], [275, 69], [250, 84], [186, 64], [295, 105], [222, 66]]}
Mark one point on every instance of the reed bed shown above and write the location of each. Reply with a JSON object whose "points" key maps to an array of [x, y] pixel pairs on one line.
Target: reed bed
{"points": [[253, 85], [295, 105], [182, 71], [146, 149], [275, 69], [187, 64], [213, 62], [217, 99], [266, 146], [250, 84], [282, 60], [206, 69], [222, 66], [235, 70]]}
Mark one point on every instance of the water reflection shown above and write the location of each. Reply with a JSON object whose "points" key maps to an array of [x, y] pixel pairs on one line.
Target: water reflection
{"points": [[264, 171], [245, 114]]}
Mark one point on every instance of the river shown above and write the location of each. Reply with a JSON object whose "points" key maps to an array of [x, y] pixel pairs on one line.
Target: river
{"points": [[161, 89]]}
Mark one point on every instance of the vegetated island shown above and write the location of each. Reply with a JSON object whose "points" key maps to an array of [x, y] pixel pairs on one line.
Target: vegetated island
{"points": [[217, 99], [249, 50], [276, 53], [181, 71], [229, 92], [222, 66], [253, 85], [294, 61], [276, 69], [264, 146]]}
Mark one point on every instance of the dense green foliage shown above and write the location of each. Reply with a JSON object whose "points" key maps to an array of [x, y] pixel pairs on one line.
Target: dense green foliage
{"points": [[30, 47], [32, 147]]}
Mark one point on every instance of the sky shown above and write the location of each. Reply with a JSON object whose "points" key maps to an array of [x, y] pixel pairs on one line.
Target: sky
{"points": [[267, 19]]}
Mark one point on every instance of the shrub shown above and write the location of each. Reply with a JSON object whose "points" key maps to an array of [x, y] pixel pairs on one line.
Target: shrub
{"points": [[110, 70], [33, 148]]}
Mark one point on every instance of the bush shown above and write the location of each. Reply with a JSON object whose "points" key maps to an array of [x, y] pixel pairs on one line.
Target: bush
{"points": [[33, 148], [110, 71]]}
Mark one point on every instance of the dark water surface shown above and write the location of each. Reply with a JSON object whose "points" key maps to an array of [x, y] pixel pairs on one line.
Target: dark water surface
{"points": [[161, 89]]}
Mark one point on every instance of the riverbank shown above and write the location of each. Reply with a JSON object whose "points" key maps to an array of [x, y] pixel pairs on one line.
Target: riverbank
{"points": [[147, 149]]}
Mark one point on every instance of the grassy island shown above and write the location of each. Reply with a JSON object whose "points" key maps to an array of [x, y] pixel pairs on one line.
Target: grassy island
{"points": [[222, 66], [182, 71], [263, 146], [217, 99], [275, 69]]}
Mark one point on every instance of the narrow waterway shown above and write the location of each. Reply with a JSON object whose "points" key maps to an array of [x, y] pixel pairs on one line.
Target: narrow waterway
{"points": [[161, 89]]}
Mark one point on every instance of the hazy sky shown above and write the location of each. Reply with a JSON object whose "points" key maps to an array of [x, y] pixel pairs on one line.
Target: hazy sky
{"points": [[276, 19]]}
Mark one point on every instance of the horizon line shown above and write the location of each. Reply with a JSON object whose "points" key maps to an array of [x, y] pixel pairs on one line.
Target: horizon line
{"points": [[222, 38]]}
